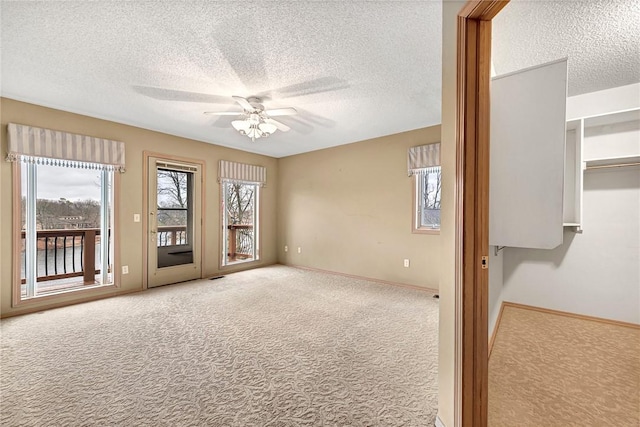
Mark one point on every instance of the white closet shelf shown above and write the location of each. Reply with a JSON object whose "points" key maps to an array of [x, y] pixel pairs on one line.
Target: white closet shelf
{"points": [[612, 118], [612, 161]]}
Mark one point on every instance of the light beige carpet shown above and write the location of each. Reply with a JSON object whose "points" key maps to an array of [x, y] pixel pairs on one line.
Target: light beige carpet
{"points": [[276, 346], [558, 371]]}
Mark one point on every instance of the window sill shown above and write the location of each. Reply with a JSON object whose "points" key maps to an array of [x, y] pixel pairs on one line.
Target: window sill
{"points": [[425, 231], [66, 295], [238, 265]]}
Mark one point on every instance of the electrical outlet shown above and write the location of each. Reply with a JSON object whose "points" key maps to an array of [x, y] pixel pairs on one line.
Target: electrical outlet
{"points": [[136, 217], [286, 248], [299, 250], [125, 269], [406, 263]]}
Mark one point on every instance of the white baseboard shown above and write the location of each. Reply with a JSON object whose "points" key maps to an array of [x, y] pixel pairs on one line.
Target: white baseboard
{"points": [[439, 422]]}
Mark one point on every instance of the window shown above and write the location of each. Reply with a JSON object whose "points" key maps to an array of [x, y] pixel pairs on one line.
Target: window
{"points": [[240, 221], [174, 216], [423, 164], [428, 186], [64, 204], [66, 227], [240, 195]]}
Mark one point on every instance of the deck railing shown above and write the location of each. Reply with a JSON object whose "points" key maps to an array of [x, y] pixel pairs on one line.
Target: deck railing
{"points": [[170, 235], [63, 254], [240, 242]]}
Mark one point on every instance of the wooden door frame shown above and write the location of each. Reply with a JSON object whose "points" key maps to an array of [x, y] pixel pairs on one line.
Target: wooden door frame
{"points": [[146, 155], [472, 209]]}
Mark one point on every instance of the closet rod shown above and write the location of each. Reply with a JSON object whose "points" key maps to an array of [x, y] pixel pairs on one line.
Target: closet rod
{"points": [[620, 165]]}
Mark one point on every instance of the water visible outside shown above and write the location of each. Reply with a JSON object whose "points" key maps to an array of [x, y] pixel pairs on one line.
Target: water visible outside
{"points": [[64, 259]]}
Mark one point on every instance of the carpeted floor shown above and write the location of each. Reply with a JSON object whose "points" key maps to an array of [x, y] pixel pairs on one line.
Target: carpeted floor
{"points": [[558, 371], [276, 346]]}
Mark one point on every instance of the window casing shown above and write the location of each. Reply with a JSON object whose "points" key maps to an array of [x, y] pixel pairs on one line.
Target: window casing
{"points": [[66, 219], [426, 200], [240, 221]]}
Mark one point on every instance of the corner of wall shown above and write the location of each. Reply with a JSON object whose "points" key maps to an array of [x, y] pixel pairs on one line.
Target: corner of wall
{"points": [[448, 388], [496, 289]]}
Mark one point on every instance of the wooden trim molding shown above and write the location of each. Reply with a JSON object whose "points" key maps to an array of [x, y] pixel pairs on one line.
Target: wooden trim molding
{"points": [[145, 208], [569, 314], [145, 218], [556, 313], [495, 328], [482, 10], [368, 279], [472, 209]]}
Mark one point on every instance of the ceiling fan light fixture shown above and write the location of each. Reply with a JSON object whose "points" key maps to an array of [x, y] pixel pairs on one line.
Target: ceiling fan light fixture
{"points": [[254, 133], [267, 128], [254, 121], [253, 126], [254, 118], [241, 125]]}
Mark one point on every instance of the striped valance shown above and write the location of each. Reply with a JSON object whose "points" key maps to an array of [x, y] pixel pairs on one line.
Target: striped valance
{"points": [[46, 146], [242, 172], [422, 157]]}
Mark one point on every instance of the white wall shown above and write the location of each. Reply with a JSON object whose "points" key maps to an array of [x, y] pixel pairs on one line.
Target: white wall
{"points": [[496, 281], [596, 273]]}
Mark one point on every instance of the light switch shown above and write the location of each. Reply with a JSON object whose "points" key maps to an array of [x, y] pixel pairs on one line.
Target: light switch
{"points": [[136, 217]]}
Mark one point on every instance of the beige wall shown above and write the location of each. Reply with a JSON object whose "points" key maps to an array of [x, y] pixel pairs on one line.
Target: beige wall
{"points": [[350, 210], [130, 234], [447, 323]]}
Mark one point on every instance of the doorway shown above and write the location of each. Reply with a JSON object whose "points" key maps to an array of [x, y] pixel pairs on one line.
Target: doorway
{"points": [[173, 221], [471, 210]]}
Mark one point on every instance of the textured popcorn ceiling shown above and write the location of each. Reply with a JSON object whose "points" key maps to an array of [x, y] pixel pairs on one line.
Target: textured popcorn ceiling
{"points": [[353, 69], [601, 38]]}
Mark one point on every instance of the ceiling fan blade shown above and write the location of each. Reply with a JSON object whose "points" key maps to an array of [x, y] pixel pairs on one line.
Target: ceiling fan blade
{"points": [[310, 87], [243, 103], [282, 112], [222, 122], [280, 126], [180, 95], [316, 119], [299, 125], [222, 113], [247, 61]]}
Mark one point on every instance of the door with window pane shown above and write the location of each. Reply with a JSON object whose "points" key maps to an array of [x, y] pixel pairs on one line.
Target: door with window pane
{"points": [[174, 222], [240, 222]]}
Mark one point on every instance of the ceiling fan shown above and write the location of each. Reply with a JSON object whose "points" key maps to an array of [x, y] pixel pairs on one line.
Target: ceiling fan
{"points": [[254, 121]]}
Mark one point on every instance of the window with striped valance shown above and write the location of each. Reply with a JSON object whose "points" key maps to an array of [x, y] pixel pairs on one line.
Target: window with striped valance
{"points": [[423, 158], [242, 172], [45, 146]]}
